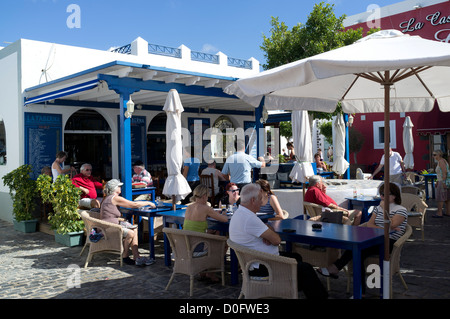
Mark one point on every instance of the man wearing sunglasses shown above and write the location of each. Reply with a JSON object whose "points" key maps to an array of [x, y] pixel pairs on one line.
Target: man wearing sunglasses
{"points": [[88, 186]]}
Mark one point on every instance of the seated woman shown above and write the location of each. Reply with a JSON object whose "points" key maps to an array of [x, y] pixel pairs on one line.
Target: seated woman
{"points": [[195, 219], [272, 205], [110, 213], [232, 195], [398, 217], [320, 164]]}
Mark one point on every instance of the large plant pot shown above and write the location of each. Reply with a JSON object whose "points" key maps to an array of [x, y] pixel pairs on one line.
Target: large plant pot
{"points": [[26, 226], [70, 239]]}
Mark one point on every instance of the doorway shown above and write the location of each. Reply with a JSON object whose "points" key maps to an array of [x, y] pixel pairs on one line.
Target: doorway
{"points": [[87, 139]]}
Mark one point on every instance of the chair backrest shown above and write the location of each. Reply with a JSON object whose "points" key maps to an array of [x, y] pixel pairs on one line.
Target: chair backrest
{"points": [[312, 209], [314, 166], [411, 189], [359, 173], [208, 180], [397, 250], [413, 177], [282, 280], [413, 203], [183, 243]]}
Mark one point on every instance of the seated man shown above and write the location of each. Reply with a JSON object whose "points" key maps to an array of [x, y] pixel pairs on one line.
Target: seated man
{"points": [[141, 174], [88, 186], [316, 194], [217, 175], [248, 230]]}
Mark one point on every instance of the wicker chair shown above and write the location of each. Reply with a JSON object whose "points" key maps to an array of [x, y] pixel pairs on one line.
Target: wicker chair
{"points": [[413, 190], [282, 280], [112, 242], [417, 209], [208, 180], [183, 243], [394, 263]]}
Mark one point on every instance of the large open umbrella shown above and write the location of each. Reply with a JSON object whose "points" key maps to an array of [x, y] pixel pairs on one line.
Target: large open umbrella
{"points": [[176, 185], [387, 71], [408, 143], [340, 164]]}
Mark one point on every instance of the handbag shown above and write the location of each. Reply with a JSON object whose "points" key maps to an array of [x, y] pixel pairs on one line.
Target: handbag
{"points": [[332, 217]]}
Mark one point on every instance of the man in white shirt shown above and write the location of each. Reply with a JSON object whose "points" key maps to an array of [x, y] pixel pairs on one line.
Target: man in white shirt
{"points": [[396, 167], [248, 230]]}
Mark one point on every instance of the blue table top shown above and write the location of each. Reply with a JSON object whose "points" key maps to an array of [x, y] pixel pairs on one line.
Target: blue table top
{"points": [[365, 199], [342, 235]]}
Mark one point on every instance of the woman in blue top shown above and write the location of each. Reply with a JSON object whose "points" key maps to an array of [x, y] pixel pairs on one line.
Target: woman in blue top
{"points": [[273, 205]]}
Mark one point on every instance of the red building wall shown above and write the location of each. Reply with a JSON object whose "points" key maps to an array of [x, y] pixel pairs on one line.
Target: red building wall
{"points": [[432, 22]]}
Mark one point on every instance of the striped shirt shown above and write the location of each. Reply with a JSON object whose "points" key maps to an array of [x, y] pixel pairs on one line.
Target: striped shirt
{"points": [[393, 210], [267, 209]]}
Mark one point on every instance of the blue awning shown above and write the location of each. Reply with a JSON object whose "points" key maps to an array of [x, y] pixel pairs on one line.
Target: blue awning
{"points": [[63, 92]]}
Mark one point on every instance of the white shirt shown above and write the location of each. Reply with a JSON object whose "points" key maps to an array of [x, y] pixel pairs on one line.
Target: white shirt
{"points": [[246, 229], [394, 163]]}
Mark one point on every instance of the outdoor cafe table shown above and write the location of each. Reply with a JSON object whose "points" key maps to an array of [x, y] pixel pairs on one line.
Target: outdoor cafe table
{"points": [[144, 190], [177, 217], [366, 202], [431, 178], [333, 235], [150, 213]]}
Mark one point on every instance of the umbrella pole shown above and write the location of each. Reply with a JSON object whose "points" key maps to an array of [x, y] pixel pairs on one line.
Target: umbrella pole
{"points": [[174, 205], [386, 267]]}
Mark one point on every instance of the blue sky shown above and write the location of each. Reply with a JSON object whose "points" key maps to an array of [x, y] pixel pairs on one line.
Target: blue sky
{"points": [[234, 27]]}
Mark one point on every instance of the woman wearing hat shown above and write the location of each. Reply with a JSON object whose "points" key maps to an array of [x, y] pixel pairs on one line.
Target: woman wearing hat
{"points": [[110, 213]]}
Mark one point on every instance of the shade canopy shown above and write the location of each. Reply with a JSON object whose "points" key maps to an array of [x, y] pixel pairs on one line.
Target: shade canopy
{"points": [[352, 75]]}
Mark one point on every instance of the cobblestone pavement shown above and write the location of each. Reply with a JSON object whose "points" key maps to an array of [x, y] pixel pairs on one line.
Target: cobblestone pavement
{"points": [[34, 266]]}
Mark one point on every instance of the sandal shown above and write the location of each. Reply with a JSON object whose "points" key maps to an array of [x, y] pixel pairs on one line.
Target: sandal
{"points": [[324, 272]]}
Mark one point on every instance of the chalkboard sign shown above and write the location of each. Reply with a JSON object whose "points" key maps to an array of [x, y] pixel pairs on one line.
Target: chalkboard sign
{"points": [[43, 139]]}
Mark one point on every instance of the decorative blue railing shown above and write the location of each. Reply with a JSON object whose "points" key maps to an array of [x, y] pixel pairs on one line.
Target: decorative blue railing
{"points": [[195, 55], [204, 57], [239, 63], [163, 50], [126, 49]]}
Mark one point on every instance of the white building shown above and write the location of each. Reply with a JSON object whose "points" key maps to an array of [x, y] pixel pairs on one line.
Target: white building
{"points": [[58, 97]]}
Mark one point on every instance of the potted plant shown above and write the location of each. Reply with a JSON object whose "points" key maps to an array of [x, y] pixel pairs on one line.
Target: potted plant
{"points": [[64, 197], [23, 193]]}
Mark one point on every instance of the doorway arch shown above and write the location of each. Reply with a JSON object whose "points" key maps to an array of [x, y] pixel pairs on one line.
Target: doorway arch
{"points": [[87, 139]]}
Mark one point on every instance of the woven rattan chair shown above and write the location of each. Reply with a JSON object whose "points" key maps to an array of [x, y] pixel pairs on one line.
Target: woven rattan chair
{"points": [[183, 243], [112, 241], [410, 189], [394, 261], [208, 180], [282, 279], [417, 209]]}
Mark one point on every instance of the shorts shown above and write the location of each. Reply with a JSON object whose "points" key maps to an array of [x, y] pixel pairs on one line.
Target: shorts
{"points": [[442, 194], [85, 203]]}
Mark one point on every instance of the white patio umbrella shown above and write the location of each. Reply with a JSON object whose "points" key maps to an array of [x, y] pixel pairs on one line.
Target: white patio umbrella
{"points": [[176, 185], [301, 132], [408, 143], [416, 70], [340, 164]]}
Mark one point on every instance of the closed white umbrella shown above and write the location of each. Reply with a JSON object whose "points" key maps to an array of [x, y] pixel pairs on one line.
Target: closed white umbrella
{"points": [[301, 132], [340, 165], [176, 185], [408, 143]]}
